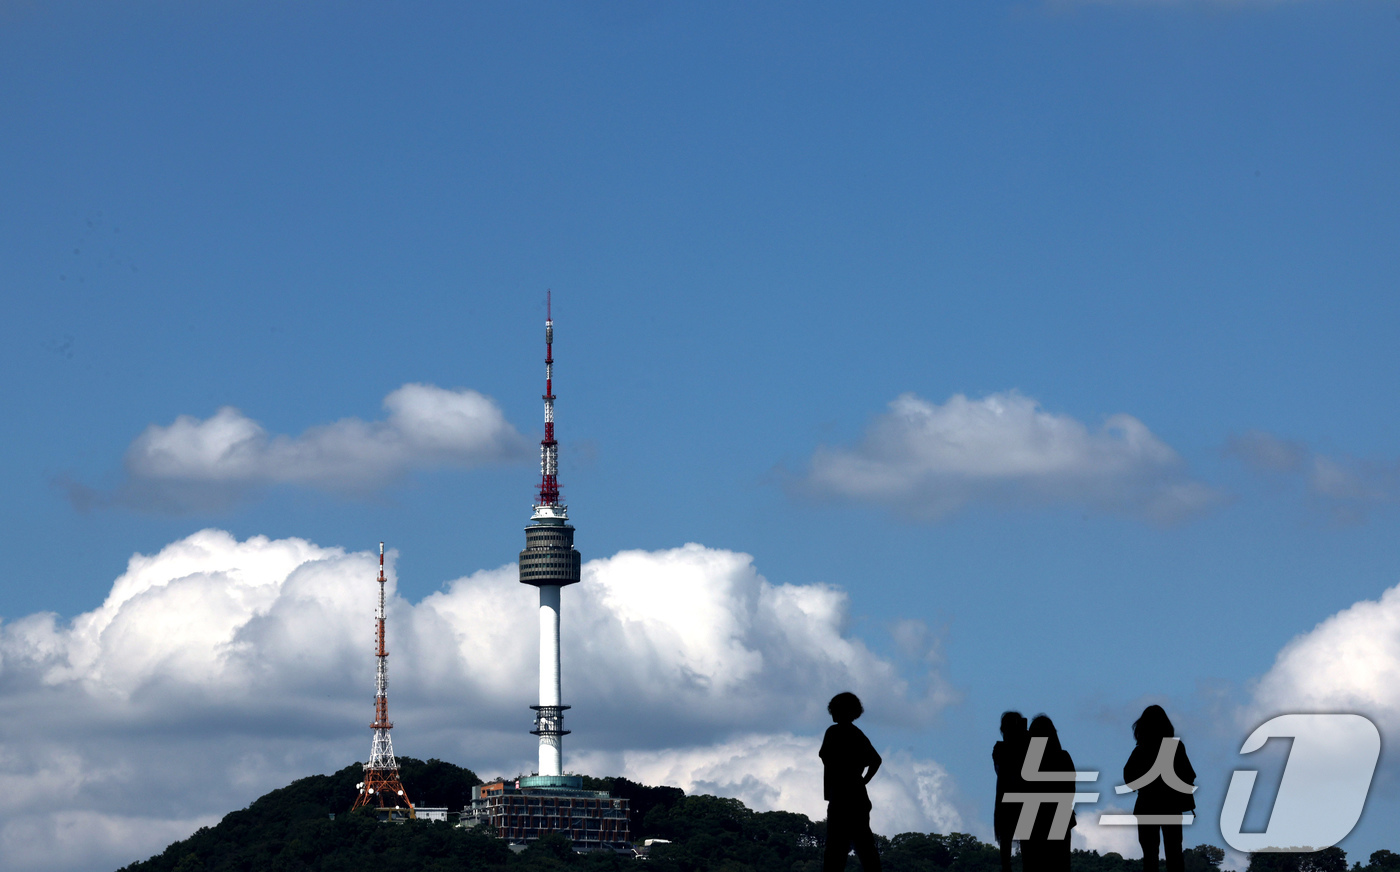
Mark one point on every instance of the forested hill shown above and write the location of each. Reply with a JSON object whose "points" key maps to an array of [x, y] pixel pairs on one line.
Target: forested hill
{"points": [[290, 830]]}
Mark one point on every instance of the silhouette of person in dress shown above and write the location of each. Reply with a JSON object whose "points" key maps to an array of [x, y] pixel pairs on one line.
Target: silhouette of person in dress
{"points": [[1008, 756], [1161, 773], [849, 762], [1041, 853]]}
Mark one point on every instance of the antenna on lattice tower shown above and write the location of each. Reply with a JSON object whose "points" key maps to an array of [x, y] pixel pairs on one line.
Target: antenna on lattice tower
{"points": [[381, 787]]}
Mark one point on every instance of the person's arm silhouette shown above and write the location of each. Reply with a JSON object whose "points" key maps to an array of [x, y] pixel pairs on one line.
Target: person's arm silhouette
{"points": [[1139, 762], [873, 762], [1182, 764]]}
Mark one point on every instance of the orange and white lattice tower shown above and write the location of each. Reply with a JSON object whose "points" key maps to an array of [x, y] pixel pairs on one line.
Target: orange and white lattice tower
{"points": [[381, 787]]}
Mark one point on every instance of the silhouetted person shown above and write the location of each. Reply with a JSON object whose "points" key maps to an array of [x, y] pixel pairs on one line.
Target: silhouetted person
{"points": [[1154, 734], [1008, 755], [849, 762], [1040, 853]]}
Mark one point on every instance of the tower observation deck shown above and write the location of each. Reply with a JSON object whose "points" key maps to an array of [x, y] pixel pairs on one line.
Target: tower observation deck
{"points": [[549, 562]]}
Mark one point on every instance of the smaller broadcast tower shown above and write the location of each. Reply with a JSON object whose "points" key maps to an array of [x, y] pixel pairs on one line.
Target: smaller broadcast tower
{"points": [[381, 787]]}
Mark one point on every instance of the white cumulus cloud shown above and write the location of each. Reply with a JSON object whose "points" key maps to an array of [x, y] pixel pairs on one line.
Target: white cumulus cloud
{"points": [[775, 771], [217, 669], [1348, 663], [930, 461], [195, 463], [1088, 835]]}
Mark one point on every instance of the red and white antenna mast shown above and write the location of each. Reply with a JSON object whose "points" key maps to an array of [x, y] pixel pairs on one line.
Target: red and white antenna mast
{"points": [[549, 449], [381, 786]]}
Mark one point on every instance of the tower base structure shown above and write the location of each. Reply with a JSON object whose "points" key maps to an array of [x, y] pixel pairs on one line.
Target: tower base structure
{"points": [[383, 790], [549, 726]]}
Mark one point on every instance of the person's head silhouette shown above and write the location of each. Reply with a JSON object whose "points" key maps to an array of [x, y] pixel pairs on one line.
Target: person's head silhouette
{"points": [[1013, 725], [845, 707], [1043, 726], [1153, 726]]}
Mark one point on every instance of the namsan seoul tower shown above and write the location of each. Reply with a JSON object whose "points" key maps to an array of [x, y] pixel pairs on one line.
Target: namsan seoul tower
{"points": [[549, 562]]}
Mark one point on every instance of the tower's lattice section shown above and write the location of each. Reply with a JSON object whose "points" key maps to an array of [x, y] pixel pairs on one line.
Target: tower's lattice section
{"points": [[381, 787]]}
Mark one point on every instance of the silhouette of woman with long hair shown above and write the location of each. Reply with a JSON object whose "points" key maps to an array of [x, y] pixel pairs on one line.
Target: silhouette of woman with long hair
{"points": [[1161, 773], [1041, 853], [849, 762], [1008, 756]]}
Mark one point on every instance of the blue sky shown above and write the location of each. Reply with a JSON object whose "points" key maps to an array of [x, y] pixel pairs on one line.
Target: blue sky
{"points": [[761, 227]]}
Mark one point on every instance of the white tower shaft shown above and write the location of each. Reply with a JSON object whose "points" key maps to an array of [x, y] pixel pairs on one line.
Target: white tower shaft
{"points": [[551, 745]]}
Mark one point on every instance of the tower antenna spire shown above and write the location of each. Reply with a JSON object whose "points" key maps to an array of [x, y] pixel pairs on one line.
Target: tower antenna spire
{"points": [[549, 449], [549, 562], [381, 786]]}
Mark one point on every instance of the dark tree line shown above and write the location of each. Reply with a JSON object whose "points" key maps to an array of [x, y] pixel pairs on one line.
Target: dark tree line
{"points": [[1326, 860], [291, 830]]}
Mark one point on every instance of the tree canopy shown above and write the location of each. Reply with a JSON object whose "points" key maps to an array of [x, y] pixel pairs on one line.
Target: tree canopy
{"points": [[292, 830]]}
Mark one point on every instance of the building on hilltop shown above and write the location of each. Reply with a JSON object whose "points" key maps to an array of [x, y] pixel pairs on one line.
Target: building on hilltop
{"points": [[524, 809]]}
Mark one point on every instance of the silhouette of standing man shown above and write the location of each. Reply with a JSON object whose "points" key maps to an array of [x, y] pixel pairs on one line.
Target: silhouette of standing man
{"points": [[849, 762], [1008, 756]]}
